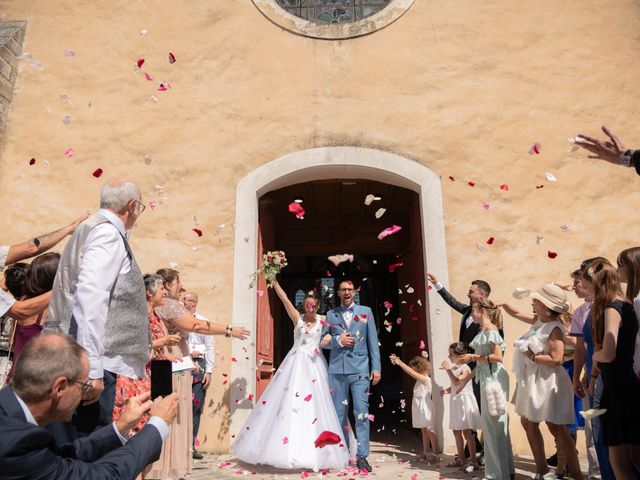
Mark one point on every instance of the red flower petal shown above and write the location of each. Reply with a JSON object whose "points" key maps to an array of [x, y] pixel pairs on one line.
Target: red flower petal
{"points": [[551, 254], [32, 161], [250, 398], [171, 57], [392, 268], [490, 240], [539, 186], [307, 398], [535, 149], [504, 187], [197, 231], [97, 173], [452, 178], [326, 438], [471, 184], [233, 359], [140, 62]]}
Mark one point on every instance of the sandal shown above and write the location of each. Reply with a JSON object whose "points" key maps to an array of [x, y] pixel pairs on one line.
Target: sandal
{"points": [[456, 462], [470, 466]]}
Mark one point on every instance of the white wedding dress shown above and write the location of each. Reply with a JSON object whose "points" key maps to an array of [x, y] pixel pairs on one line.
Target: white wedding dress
{"points": [[293, 411]]}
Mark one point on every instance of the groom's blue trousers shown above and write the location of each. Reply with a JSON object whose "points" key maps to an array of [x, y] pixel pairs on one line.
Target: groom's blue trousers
{"points": [[358, 384]]}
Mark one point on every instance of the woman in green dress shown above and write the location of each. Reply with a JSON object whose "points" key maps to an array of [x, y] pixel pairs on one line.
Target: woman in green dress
{"points": [[488, 347]]}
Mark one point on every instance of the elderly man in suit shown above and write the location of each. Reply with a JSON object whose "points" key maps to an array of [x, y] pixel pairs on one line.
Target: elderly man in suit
{"points": [[354, 349], [48, 383]]}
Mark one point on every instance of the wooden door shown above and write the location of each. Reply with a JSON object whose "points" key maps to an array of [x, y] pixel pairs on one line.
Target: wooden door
{"points": [[267, 301]]}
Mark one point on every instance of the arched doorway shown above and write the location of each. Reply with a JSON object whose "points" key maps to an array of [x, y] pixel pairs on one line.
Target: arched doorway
{"points": [[261, 192]]}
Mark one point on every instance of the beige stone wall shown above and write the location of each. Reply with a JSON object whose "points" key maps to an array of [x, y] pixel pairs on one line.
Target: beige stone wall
{"points": [[462, 87]]}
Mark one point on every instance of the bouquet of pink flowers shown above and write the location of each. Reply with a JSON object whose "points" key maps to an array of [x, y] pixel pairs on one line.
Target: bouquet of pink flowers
{"points": [[272, 263]]}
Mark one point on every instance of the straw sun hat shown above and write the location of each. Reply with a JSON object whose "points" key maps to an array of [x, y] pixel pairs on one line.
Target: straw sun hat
{"points": [[553, 297]]}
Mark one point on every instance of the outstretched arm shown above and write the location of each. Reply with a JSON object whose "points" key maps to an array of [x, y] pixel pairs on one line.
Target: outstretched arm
{"points": [[41, 243], [293, 313], [407, 369], [446, 296], [515, 313]]}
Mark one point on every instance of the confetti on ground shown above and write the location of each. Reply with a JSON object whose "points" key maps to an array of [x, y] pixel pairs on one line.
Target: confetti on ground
{"points": [[171, 57], [148, 76], [32, 161], [164, 86], [66, 120], [552, 254], [481, 247], [297, 210], [69, 53], [539, 186], [68, 152], [485, 205], [471, 184], [143, 32], [389, 231], [452, 178], [153, 99], [550, 177], [140, 62], [490, 241], [535, 149], [97, 172], [539, 239], [504, 187], [197, 231], [564, 227]]}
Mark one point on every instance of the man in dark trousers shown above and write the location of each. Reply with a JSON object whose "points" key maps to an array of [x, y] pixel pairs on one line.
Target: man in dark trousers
{"points": [[478, 290], [48, 384]]}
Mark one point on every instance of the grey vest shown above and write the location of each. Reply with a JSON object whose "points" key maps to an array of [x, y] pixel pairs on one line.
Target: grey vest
{"points": [[127, 331]]}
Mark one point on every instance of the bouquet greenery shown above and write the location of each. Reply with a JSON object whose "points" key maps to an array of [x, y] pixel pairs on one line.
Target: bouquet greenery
{"points": [[272, 263]]}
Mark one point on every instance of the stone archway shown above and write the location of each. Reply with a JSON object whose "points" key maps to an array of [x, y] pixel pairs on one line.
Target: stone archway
{"points": [[331, 163]]}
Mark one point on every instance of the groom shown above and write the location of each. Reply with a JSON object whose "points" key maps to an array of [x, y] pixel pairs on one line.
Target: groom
{"points": [[354, 343]]}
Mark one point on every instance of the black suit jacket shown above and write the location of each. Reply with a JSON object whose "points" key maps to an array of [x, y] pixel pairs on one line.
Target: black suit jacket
{"points": [[466, 333], [29, 452]]}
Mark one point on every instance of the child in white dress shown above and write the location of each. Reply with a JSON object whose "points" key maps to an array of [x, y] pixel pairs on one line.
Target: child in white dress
{"points": [[464, 415], [421, 406]]}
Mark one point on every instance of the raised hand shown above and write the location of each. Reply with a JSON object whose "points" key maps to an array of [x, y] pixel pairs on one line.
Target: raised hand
{"points": [[603, 149], [240, 333], [432, 278]]}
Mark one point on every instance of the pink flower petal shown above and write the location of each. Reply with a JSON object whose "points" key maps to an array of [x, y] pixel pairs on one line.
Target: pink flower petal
{"points": [[504, 187], [307, 398], [389, 231], [285, 440], [260, 292], [148, 76], [196, 442], [69, 152], [422, 345], [153, 204], [535, 149], [297, 210], [485, 205], [388, 304]]}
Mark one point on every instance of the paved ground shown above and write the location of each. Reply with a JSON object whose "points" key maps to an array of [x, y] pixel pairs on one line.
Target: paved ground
{"points": [[389, 460]]}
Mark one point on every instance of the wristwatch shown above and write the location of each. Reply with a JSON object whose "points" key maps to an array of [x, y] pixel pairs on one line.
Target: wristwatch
{"points": [[627, 158]]}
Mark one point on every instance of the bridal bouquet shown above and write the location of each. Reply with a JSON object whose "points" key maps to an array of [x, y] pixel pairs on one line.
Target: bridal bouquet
{"points": [[272, 263]]}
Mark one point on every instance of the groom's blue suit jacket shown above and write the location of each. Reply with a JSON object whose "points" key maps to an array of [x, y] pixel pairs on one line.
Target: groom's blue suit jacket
{"points": [[344, 360]]}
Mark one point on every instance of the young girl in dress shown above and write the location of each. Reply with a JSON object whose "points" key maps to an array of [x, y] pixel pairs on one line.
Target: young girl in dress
{"points": [[421, 407], [464, 415]]}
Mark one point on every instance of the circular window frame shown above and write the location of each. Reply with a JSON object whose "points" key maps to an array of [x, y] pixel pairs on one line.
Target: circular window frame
{"points": [[341, 31]]}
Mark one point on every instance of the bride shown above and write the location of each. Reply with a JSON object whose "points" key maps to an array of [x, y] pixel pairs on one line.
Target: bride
{"points": [[296, 408]]}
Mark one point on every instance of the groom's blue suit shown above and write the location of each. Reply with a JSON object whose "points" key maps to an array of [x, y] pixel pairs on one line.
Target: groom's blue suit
{"points": [[349, 367]]}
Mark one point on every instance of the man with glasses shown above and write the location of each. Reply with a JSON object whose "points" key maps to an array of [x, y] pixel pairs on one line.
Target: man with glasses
{"points": [[354, 363], [99, 298], [51, 378]]}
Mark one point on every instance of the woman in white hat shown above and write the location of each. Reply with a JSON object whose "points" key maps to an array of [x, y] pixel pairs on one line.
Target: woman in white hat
{"points": [[544, 391]]}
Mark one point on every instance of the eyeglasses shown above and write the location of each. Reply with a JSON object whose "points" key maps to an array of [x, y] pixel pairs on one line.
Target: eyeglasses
{"points": [[140, 207], [86, 386]]}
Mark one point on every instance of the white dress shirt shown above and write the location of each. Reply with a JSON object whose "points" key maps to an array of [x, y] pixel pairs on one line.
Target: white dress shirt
{"points": [[469, 320], [202, 344], [104, 258], [6, 299]]}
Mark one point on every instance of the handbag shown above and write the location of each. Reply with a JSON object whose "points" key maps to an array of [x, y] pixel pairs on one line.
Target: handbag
{"points": [[496, 403]]}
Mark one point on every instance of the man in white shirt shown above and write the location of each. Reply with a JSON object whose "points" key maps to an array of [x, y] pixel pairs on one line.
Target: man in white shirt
{"points": [[99, 298], [202, 352]]}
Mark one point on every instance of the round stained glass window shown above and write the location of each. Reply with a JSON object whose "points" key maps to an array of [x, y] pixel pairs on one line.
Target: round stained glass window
{"points": [[333, 11]]}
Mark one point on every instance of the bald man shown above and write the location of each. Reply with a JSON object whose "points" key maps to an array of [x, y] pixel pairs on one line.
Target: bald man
{"points": [[202, 353]]}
